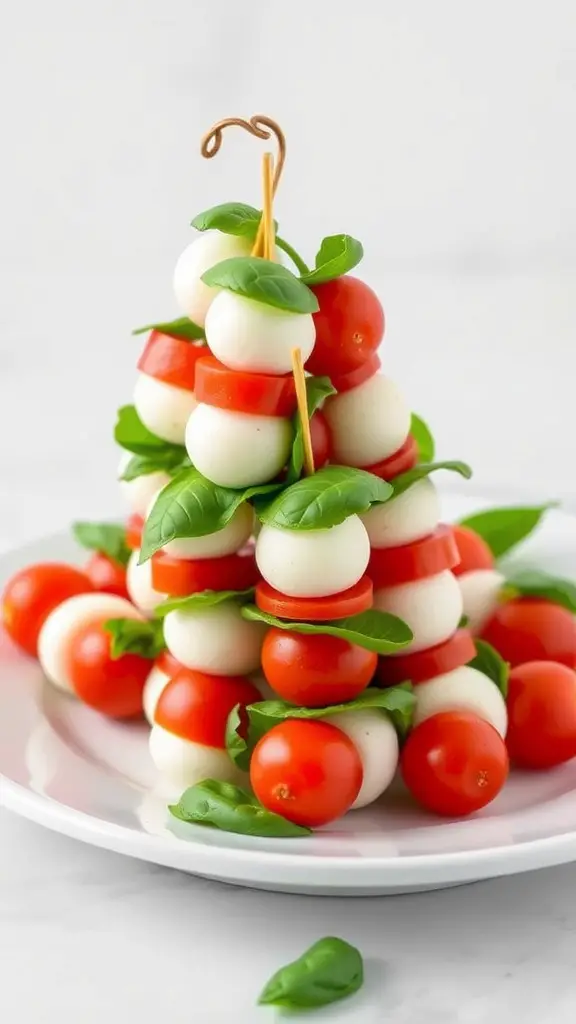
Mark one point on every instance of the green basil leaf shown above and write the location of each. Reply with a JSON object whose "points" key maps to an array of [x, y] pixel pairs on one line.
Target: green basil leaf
{"points": [[397, 701], [533, 583], [230, 219], [374, 630], [317, 389], [327, 972], [202, 599], [504, 528], [489, 662], [264, 281], [242, 735], [182, 328], [228, 807], [132, 636], [107, 538], [170, 461], [402, 482], [422, 435], [325, 499], [131, 434], [336, 256]]}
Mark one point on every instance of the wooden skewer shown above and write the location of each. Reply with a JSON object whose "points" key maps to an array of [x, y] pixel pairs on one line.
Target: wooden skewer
{"points": [[302, 398], [264, 243]]}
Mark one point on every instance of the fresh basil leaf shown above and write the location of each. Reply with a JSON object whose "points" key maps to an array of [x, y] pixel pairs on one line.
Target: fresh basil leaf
{"points": [[402, 482], [422, 435], [133, 636], [327, 972], [489, 662], [131, 434], [231, 809], [325, 499], [533, 583], [182, 328], [203, 599], [336, 256], [192, 506], [242, 735], [170, 461], [397, 701], [231, 219], [504, 528], [374, 630], [317, 389], [264, 281], [107, 538]]}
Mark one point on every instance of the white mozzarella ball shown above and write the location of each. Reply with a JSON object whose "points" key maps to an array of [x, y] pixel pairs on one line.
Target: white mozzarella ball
{"points": [[184, 763], [432, 607], [313, 563], [139, 585], [216, 545], [211, 247], [163, 408], [368, 423], [139, 493], [66, 621], [248, 335], [156, 682], [412, 515], [375, 739], [480, 590], [215, 639], [235, 449], [463, 689]]}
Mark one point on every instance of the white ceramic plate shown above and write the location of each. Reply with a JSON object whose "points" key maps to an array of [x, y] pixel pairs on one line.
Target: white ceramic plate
{"points": [[65, 767]]}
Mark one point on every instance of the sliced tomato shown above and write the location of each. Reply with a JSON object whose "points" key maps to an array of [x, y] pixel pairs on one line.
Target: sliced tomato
{"points": [[195, 705], [321, 440], [33, 593], [400, 461], [349, 326], [179, 577], [424, 665], [171, 360], [106, 575], [389, 567], [473, 550], [134, 528], [315, 670], [262, 394], [315, 609], [347, 381]]}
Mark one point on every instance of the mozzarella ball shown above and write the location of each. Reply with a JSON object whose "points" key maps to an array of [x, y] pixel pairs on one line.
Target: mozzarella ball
{"points": [[480, 590], [139, 585], [463, 689], [70, 618], [313, 563], [248, 335], [215, 639], [432, 607], [139, 493], [211, 247], [412, 515], [155, 683], [234, 449], [375, 739], [163, 408], [368, 423], [184, 763], [216, 545]]}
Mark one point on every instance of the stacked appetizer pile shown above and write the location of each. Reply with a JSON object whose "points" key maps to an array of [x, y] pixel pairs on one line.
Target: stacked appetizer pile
{"points": [[284, 604]]}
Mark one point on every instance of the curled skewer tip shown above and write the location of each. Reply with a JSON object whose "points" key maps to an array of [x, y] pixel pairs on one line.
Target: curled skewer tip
{"points": [[259, 126]]}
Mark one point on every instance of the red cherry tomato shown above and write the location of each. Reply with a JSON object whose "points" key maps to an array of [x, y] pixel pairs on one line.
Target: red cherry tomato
{"points": [[321, 440], [399, 462], [195, 705], [348, 381], [309, 772], [106, 575], [541, 714], [315, 609], [32, 594], [112, 686], [528, 629], [349, 326], [257, 393], [315, 670], [473, 550], [389, 567], [134, 528], [168, 664], [171, 360], [454, 763], [424, 665], [182, 576]]}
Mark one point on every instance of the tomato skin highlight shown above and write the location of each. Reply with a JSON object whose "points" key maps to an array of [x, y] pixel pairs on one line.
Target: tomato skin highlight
{"points": [[541, 714], [315, 609], [421, 666], [262, 394], [180, 577], [134, 530], [315, 671], [389, 567], [349, 326], [308, 771], [195, 705], [473, 551], [31, 594], [348, 381], [106, 575], [171, 360], [529, 629], [112, 686], [399, 462], [454, 763]]}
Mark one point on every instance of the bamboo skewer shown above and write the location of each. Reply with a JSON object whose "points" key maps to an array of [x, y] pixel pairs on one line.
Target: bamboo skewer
{"points": [[302, 398]]}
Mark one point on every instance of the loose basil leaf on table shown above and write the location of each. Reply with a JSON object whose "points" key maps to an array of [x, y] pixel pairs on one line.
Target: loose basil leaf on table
{"points": [[325, 499], [131, 434], [133, 636], [107, 538], [337, 255], [402, 482], [504, 528], [374, 630], [533, 583], [170, 461], [203, 599], [330, 970], [317, 390], [489, 662], [182, 328], [264, 281], [424, 440], [227, 807]]}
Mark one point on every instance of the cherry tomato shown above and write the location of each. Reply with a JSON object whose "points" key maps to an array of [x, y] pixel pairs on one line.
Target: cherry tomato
{"points": [[195, 705], [347, 381], [33, 593], [473, 550], [321, 440], [172, 360], [309, 772], [112, 686], [106, 575], [389, 567], [315, 670], [134, 528], [528, 629], [541, 714], [458, 650], [264, 394], [168, 664], [315, 609], [399, 462], [454, 763], [182, 576], [349, 326]]}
